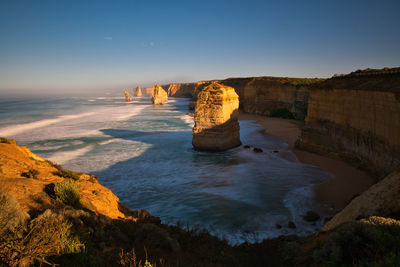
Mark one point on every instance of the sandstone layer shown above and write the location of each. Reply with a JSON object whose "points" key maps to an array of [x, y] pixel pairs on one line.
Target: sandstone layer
{"points": [[216, 118], [259, 95], [137, 92], [128, 97], [158, 95], [382, 199], [357, 118]]}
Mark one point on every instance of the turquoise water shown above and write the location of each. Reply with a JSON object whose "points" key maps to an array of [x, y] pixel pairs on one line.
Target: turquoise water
{"points": [[144, 153]]}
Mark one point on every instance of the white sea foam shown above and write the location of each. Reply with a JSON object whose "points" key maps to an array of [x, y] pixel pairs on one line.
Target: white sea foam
{"points": [[20, 128], [65, 156], [188, 119]]}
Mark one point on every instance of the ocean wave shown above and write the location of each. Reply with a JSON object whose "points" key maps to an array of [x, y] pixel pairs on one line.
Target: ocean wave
{"points": [[65, 156], [20, 128], [188, 119]]}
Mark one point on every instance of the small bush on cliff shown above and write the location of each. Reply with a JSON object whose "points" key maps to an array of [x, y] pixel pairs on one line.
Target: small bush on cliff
{"points": [[30, 174], [67, 192], [7, 141], [373, 242], [47, 235], [68, 174], [12, 219], [281, 113], [128, 259]]}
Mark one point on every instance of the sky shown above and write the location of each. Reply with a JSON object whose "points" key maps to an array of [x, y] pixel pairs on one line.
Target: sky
{"points": [[71, 45]]}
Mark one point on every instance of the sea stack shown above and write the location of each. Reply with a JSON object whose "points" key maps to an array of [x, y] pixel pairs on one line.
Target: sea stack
{"points": [[158, 95], [216, 118], [128, 97], [137, 91]]}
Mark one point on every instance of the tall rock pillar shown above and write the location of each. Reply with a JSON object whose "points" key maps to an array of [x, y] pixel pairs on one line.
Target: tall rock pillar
{"points": [[216, 119], [158, 95]]}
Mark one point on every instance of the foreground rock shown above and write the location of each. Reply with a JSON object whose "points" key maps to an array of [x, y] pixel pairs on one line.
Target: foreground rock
{"points": [[128, 97], [137, 92], [216, 118], [382, 199], [158, 95]]}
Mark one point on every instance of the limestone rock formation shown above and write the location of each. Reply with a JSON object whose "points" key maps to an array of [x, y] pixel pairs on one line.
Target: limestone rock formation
{"points": [[158, 95], [216, 118], [382, 199], [128, 97], [137, 92], [356, 118]]}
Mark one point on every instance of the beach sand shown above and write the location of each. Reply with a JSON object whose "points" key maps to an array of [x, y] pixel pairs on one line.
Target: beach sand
{"points": [[335, 193]]}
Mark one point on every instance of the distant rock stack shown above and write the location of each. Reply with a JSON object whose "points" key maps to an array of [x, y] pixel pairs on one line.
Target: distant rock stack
{"points": [[216, 118], [137, 91], [128, 97], [158, 95]]}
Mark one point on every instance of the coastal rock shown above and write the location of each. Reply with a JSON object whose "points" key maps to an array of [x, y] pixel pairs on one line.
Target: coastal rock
{"points": [[31, 193], [216, 118], [128, 97], [358, 119], [158, 95], [382, 199], [137, 92]]}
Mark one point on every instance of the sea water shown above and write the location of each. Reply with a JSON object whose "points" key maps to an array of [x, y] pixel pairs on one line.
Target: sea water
{"points": [[144, 154]]}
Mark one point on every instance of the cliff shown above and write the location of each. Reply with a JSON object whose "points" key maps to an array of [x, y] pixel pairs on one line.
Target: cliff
{"points": [[382, 199], [356, 118], [216, 118], [259, 95], [158, 95]]}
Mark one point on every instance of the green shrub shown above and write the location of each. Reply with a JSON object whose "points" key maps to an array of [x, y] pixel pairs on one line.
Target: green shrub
{"points": [[67, 192], [68, 174], [281, 113], [30, 174], [374, 241], [47, 235]]}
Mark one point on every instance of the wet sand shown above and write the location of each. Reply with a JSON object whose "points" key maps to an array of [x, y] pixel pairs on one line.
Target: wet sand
{"points": [[334, 193]]}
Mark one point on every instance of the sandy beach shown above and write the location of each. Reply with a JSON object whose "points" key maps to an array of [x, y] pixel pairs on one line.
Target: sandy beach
{"points": [[336, 192]]}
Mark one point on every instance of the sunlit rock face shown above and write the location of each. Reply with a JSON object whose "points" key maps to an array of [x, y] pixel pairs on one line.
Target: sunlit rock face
{"points": [[137, 91], [128, 97], [158, 95], [216, 118]]}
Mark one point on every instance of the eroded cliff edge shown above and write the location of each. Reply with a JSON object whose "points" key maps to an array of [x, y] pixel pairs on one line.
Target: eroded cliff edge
{"points": [[356, 118], [259, 95]]}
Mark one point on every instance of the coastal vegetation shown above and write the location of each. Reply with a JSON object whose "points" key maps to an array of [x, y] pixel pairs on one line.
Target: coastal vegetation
{"points": [[67, 174], [67, 192]]}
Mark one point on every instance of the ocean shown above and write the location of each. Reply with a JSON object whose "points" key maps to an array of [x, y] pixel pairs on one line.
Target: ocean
{"points": [[144, 154]]}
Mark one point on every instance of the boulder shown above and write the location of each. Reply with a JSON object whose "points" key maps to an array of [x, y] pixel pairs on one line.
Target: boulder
{"points": [[128, 97], [158, 95], [216, 118], [137, 91]]}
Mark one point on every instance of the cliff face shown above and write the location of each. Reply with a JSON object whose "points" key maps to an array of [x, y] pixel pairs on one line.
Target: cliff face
{"points": [[264, 95], [158, 95], [382, 199], [259, 95], [357, 118], [216, 118]]}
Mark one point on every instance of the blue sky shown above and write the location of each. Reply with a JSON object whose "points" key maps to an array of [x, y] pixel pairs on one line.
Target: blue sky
{"points": [[83, 45]]}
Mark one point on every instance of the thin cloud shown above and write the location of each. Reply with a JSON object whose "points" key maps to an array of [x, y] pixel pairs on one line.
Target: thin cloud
{"points": [[107, 37], [150, 44]]}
